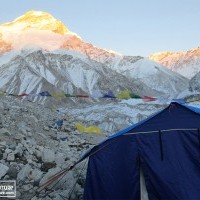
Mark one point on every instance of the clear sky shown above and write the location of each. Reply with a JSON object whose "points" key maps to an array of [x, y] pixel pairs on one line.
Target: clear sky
{"points": [[131, 27]]}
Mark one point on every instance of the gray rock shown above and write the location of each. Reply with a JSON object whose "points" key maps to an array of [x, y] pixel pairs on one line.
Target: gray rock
{"points": [[50, 173], [12, 172], [8, 151], [36, 174], [5, 156], [3, 144], [12, 146], [60, 158], [48, 155], [27, 187], [19, 150], [3, 170], [47, 165], [24, 172], [4, 131], [18, 194], [11, 157], [46, 128], [19, 136], [1, 155]]}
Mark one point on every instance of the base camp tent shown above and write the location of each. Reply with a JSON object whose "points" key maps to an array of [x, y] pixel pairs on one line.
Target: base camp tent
{"points": [[165, 148]]}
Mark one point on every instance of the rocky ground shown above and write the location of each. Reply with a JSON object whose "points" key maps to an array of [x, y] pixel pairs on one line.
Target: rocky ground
{"points": [[31, 150]]}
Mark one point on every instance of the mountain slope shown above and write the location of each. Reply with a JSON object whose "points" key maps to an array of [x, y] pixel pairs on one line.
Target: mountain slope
{"points": [[184, 63], [154, 75], [38, 70]]}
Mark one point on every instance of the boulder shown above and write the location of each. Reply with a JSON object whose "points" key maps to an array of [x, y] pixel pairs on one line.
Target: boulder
{"points": [[50, 173], [12, 172], [3, 170], [4, 131], [60, 158], [36, 174], [46, 128], [11, 157], [48, 155], [24, 172], [47, 165]]}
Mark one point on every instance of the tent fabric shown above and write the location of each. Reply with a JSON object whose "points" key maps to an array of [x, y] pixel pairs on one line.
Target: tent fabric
{"points": [[45, 94], [58, 124], [106, 181], [169, 160]]}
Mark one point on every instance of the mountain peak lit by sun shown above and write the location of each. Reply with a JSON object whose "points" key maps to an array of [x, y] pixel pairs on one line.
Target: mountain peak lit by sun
{"points": [[38, 20], [35, 28]]}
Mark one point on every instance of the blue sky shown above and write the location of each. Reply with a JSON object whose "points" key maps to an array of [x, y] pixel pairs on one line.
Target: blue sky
{"points": [[131, 27]]}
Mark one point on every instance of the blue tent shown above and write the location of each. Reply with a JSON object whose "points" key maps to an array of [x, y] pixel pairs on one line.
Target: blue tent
{"points": [[165, 146]]}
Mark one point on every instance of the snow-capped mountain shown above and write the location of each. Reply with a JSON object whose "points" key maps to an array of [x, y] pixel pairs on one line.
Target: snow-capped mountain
{"points": [[38, 70], [67, 63], [154, 75], [151, 73], [184, 63]]}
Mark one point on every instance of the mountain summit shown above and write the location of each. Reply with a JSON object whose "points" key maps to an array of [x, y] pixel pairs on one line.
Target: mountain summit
{"points": [[34, 29], [37, 20]]}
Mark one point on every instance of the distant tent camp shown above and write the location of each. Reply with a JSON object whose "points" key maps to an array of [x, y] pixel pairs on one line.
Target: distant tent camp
{"points": [[164, 148]]}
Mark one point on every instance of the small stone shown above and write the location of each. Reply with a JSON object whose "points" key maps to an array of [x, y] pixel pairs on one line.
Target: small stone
{"points": [[47, 165], [30, 161], [12, 146], [18, 194], [5, 156], [29, 134], [19, 150], [11, 157], [3, 143], [28, 129], [4, 131], [38, 154], [36, 174], [48, 155], [6, 177], [19, 136], [12, 172], [46, 128], [27, 187], [23, 131], [33, 118], [24, 172], [8, 151], [60, 158]]}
